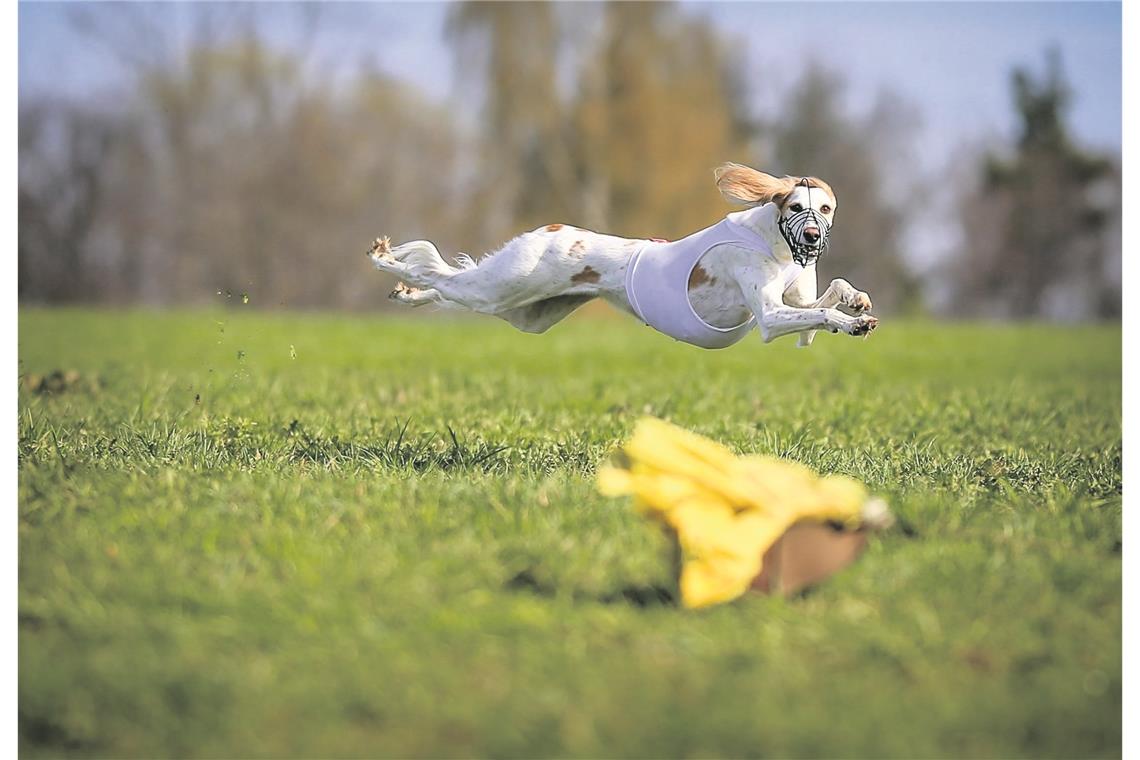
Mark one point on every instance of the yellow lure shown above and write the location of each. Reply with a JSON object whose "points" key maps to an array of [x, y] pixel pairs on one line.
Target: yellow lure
{"points": [[726, 510]]}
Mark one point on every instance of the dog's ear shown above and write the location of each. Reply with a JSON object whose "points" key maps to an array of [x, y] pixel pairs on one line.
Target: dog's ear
{"points": [[743, 184]]}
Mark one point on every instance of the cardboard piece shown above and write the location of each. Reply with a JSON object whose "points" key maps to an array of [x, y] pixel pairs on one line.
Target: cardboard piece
{"points": [[807, 553]]}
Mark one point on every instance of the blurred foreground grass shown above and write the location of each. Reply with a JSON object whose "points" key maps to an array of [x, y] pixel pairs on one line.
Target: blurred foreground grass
{"points": [[311, 535]]}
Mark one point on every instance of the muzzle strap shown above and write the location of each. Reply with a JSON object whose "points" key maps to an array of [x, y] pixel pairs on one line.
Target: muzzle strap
{"points": [[792, 227]]}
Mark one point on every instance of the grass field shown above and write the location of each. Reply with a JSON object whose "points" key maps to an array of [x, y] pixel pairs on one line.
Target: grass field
{"points": [[305, 535]]}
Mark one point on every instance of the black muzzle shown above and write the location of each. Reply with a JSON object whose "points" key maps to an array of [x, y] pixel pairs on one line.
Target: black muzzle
{"points": [[805, 251]]}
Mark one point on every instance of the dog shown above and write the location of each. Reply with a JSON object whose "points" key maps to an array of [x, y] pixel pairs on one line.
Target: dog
{"points": [[754, 268]]}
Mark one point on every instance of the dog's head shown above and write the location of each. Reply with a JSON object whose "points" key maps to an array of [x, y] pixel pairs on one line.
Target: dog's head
{"points": [[805, 205]]}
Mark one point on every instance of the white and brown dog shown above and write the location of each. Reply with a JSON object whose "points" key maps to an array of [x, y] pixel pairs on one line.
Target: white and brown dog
{"points": [[756, 267]]}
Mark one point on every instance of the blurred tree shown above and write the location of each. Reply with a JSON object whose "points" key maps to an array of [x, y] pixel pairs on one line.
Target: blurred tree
{"points": [[63, 164], [629, 148], [231, 167], [506, 53], [1039, 222], [658, 108], [859, 158]]}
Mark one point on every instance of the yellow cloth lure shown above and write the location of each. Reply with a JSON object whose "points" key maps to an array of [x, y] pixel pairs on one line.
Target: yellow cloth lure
{"points": [[726, 510]]}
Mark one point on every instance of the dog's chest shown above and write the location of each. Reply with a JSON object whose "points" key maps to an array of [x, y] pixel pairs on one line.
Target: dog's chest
{"points": [[714, 294]]}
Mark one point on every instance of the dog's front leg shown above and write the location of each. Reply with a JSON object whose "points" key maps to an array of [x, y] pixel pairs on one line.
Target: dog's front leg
{"points": [[840, 293], [802, 293], [775, 318], [845, 296]]}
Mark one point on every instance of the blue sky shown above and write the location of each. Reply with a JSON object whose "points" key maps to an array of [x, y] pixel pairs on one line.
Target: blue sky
{"points": [[951, 60]]}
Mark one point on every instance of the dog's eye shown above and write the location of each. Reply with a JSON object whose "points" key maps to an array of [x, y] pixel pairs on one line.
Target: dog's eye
{"points": [[797, 208], [825, 208]]}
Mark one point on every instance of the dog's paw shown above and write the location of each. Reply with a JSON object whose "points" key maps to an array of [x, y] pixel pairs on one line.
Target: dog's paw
{"points": [[863, 325], [409, 296], [404, 294], [859, 302], [381, 248]]}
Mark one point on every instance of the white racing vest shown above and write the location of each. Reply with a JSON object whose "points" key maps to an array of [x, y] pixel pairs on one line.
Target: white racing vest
{"points": [[657, 284]]}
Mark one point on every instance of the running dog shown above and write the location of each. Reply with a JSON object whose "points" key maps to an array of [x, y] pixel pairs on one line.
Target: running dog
{"points": [[754, 268]]}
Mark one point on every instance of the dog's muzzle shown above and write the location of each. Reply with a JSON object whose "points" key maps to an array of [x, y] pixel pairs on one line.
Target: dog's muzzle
{"points": [[804, 252]]}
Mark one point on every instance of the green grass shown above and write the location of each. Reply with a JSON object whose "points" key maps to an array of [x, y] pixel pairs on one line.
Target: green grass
{"points": [[380, 537]]}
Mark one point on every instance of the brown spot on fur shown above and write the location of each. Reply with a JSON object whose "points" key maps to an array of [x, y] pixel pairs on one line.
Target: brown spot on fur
{"points": [[700, 277], [553, 227], [578, 248], [586, 275]]}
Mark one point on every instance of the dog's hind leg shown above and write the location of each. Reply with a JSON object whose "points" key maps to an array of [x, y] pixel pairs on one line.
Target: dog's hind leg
{"points": [[410, 296], [524, 271], [558, 266], [418, 262], [487, 289]]}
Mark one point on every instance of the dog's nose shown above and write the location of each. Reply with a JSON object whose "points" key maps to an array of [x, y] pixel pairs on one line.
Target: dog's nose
{"points": [[811, 234]]}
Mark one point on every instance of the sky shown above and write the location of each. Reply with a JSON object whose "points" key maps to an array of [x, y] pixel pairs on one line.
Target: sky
{"points": [[950, 60]]}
